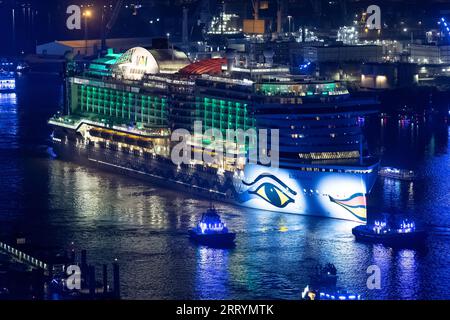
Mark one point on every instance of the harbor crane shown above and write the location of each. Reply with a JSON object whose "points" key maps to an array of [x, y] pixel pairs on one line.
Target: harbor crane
{"points": [[106, 29]]}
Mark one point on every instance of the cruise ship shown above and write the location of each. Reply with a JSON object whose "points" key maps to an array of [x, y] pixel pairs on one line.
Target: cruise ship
{"points": [[122, 110]]}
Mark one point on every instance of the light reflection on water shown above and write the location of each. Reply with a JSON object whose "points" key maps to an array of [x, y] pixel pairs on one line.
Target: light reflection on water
{"points": [[212, 273], [145, 226], [407, 272], [8, 119]]}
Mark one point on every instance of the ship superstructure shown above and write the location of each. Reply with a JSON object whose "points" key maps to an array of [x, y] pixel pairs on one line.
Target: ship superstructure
{"points": [[122, 110]]}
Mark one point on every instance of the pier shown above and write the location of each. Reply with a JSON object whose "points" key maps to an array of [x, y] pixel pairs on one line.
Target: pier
{"points": [[23, 257], [39, 274]]}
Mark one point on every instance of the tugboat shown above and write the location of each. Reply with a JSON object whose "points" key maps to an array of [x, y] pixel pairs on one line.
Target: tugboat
{"points": [[399, 174], [405, 234], [211, 231]]}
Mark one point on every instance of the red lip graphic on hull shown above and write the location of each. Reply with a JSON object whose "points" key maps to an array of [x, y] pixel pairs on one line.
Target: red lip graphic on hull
{"points": [[356, 205]]}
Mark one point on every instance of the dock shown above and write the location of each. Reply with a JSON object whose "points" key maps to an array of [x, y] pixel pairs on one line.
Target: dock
{"points": [[39, 273]]}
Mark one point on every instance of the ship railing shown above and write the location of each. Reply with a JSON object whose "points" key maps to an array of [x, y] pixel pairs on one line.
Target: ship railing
{"points": [[75, 124]]}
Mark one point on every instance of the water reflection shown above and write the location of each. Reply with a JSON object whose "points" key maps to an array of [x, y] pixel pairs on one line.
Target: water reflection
{"points": [[8, 119], [406, 271], [212, 277], [8, 99]]}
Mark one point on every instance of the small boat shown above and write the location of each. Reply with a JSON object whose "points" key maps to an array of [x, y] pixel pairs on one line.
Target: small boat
{"points": [[323, 286], [405, 234], [399, 174], [211, 231], [326, 276], [324, 294], [23, 67]]}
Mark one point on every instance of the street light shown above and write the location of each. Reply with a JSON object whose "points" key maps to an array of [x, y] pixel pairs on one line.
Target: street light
{"points": [[169, 44], [289, 18], [86, 14]]}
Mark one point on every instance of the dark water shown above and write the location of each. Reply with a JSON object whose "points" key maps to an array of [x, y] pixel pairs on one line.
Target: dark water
{"points": [[144, 227]]}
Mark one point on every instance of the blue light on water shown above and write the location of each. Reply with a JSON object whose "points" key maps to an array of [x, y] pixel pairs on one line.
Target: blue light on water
{"points": [[212, 273], [339, 295]]}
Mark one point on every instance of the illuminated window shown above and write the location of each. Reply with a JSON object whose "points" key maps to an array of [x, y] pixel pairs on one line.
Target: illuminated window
{"points": [[330, 155]]}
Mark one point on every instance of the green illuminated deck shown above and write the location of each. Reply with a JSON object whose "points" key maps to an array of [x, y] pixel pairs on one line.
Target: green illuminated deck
{"points": [[119, 106], [223, 114]]}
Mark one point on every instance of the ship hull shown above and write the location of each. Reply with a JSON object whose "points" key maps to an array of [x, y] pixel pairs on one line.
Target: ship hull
{"points": [[339, 194], [218, 240], [412, 239]]}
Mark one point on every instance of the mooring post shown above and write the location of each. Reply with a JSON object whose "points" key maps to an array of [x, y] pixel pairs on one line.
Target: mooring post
{"points": [[72, 256], [116, 280], [83, 258], [92, 284], [105, 279]]}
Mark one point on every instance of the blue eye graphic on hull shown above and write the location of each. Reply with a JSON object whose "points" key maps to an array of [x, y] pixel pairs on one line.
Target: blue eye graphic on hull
{"points": [[273, 195], [273, 191]]}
